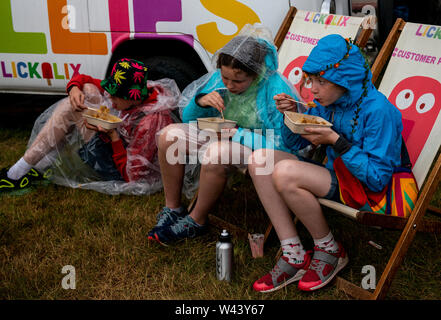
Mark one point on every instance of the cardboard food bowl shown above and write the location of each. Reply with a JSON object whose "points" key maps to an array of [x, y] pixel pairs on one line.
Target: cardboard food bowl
{"points": [[215, 124], [297, 122], [95, 118]]}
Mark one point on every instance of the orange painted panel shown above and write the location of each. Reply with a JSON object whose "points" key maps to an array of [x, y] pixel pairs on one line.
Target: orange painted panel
{"points": [[66, 42]]}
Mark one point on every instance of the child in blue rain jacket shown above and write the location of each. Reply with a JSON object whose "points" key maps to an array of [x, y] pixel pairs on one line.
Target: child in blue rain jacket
{"points": [[365, 137]]}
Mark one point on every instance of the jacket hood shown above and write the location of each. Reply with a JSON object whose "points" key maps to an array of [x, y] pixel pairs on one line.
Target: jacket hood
{"points": [[342, 63], [254, 48]]}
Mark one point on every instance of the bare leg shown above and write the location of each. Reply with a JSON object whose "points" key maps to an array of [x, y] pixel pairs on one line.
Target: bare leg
{"points": [[214, 176], [61, 122], [299, 184], [172, 170], [211, 184], [52, 135], [293, 187], [278, 212]]}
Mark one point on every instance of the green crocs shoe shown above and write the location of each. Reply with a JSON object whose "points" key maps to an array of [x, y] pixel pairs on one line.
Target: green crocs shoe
{"points": [[10, 186]]}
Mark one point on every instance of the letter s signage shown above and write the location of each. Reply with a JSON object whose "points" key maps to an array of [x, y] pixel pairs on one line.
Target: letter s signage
{"points": [[238, 13]]}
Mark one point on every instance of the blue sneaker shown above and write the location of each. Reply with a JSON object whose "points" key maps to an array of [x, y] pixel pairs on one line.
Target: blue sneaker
{"points": [[182, 229], [167, 217]]}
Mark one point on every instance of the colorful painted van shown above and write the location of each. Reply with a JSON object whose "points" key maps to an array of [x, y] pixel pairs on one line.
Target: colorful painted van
{"points": [[44, 43]]}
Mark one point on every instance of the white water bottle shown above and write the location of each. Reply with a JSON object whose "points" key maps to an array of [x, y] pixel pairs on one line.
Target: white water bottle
{"points": [[224, 257]]}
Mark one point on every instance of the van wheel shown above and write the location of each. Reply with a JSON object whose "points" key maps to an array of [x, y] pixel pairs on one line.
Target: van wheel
{"points": [[171, 67]]}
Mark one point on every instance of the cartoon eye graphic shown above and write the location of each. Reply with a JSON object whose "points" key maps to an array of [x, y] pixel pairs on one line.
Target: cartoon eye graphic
{"points": [[404, 99], [295, 75], [308, 83], [425, 103]]}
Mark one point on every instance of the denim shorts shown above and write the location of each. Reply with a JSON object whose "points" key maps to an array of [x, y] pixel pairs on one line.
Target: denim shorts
{"points": [[334, 191], [98, 155]]}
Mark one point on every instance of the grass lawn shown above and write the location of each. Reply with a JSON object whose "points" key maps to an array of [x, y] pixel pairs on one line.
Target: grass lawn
{"points": [[104, 238]]}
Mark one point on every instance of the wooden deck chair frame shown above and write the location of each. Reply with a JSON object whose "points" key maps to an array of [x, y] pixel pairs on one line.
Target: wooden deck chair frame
{"points": [[362, 39], [409, 225]]}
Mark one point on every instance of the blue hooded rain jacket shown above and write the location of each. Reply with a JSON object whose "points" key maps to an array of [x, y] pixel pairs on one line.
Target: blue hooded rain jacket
{"points": [[375, 136]]}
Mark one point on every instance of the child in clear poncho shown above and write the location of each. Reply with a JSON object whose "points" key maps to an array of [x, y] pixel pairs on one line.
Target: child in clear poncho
{"points": [[241, 89], [71, 152]]}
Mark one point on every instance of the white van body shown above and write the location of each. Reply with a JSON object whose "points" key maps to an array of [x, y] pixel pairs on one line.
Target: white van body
{"points": [[46, 42]]}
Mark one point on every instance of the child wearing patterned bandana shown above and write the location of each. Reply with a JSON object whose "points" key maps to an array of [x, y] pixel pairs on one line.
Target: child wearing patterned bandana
{"points": [[365, 136], [127, 153]]}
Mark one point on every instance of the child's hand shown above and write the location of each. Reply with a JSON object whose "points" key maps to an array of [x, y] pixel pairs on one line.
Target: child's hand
{"points": [[320, 135], [112, 133], [212, 99], [76, 98], [284, 103]]}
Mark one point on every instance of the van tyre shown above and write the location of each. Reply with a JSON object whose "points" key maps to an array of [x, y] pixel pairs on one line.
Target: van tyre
{"points": [[171, 67]]}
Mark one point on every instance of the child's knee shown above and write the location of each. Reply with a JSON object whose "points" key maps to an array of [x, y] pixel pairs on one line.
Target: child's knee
{"points": [[285, 175], [92, 93], [169, 135], [64, 113]]}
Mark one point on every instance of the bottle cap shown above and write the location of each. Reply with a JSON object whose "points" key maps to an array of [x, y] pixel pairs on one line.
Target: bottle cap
{"points": [[225, 236]]}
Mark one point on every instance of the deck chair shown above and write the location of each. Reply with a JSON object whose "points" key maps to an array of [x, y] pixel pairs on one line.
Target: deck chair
{"points": [[414, 86], [300, 32], [311, 26]]}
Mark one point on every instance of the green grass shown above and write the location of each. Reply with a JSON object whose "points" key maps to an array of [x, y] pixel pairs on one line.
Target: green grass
{"points": [[104, 238]]}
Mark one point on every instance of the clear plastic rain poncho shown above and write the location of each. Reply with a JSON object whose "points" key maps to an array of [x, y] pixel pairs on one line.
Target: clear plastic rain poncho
{"points": [[258, 121], [254, 108], [82, 158]]}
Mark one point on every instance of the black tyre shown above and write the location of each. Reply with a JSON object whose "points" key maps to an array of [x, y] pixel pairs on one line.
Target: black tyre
{"points": [[171, 67]]}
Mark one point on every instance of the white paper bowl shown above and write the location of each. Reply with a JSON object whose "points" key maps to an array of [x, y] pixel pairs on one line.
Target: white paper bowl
{"points": [[293, 121], [91, 118], [215, 124]]}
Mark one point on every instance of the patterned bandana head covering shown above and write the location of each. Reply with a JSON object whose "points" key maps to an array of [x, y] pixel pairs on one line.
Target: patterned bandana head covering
{"points": [[128, 80]]}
